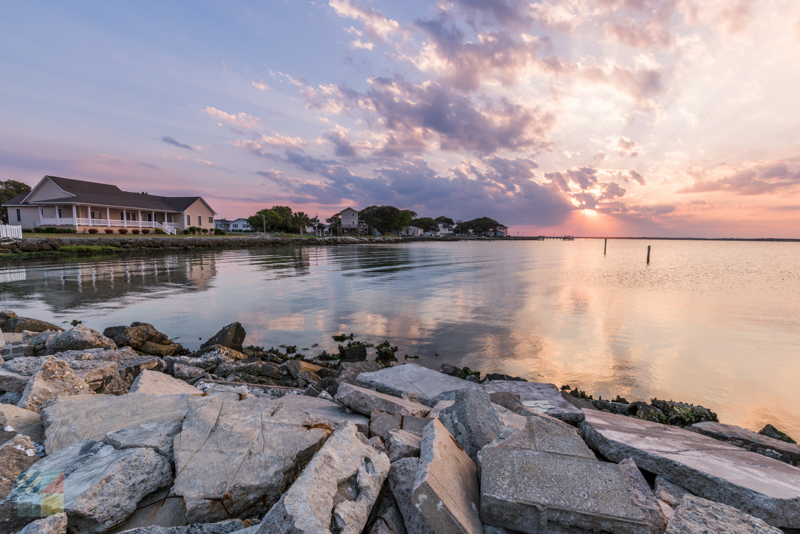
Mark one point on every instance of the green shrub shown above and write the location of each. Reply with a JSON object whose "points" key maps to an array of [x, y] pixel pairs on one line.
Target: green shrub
{"points": [[159, 231], [186, 232], [219, 231], [123, 231], [27, 230], [66, 231], [205, 230]]}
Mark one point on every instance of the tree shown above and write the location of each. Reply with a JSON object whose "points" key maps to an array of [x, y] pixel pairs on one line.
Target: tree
{"points": [[300, 220], [426, 223], [8, 190], [265, 220], [444, 219], [386, 219], [480, 226]]}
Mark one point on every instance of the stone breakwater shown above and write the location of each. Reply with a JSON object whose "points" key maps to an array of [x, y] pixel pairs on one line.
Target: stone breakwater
{"points": [[127, 431], [53, 244]]}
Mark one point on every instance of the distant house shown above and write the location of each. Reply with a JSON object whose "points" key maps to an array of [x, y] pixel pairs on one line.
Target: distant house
{"points": [[496, 232], [413, 231], [349, 218], [445, 229], [236, 225], [64, 202]]}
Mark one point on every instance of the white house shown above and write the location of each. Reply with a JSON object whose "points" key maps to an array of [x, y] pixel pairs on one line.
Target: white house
{"points": [[83, 205], [413, 231], [349, 218], [445, 229], [236, 225]]}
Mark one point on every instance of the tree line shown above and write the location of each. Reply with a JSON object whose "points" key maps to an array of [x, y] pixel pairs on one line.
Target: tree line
{"points": [[279, 219]]}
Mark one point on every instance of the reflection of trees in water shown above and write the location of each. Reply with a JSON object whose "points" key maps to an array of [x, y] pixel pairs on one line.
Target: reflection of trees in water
{"points": [[69, 285], [286, 262]]}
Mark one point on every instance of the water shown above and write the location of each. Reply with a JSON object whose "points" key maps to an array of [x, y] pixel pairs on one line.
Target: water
{"points": [[712, 323]]}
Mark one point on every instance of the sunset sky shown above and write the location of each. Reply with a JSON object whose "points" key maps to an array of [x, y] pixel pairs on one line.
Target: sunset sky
{"points": [[589, 117]]}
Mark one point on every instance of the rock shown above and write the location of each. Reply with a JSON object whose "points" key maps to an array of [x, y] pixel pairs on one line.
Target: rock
{"points": [[22, 421], [349, 371], [438, 407], [402, 444], [471, 420], [353, 353], [446, 489], [161, 384], [643, 496], [543, 398], [231, 336], [681, 414], [87, 363], [100, 486], [364, 401], [491, 377], [237, 454], [158, 349], [296, 367], [79, 338], [430, 386], [696, 515], [774, 433], [2, 341], [16, 455], [187, 372], [645, 411], [758, 443], [415, 425], [545, 479], [74, 419], [326, 412], [12, 381], [10, 397], [156, 509], [130, 336], [452, 370], [21, 324], [381, 423], [763, 487], [157, 436], [385, 517], [668, 492], [611, 407], [210, 357], [377, 443], [336, 490], [55, 524], [223, 527], [52, 378], [401, 482]]}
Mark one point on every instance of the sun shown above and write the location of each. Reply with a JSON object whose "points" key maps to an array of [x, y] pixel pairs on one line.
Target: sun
{"points": [[589, 212]]}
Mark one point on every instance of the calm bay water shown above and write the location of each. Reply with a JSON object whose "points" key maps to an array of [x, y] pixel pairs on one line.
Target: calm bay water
{"points": [[712, 323]]}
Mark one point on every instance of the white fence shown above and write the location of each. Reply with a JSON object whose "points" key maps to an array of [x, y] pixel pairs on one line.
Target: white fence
{"points": [[168, 228], [10, 232]]}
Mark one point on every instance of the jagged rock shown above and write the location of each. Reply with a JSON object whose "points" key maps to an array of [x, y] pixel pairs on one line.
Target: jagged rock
{"points": [[187, 372], [101, 486], [668, 492], [16, 455], [22, 421], [364, 401], [231, 336], [696, 515], [251, 366], [11, 380], [385, 517], [429, 385], [611, 407], [381, 423], [131, 336], [10, 397], [210, 358], [296, 367], [353, 353], [336, 490], [93, 365], [21, 324], [758, 443], [541, 397], [644, 411], [446, 489], [545, 479], [349, 371], [156, 509], [79, 338], [763, 487], [682, 414], [401, 482], [74, 419], [326, 412], [452, 370], [55, 524], [471, 420], [52, 378], [402, 444], [377, 443], [237, 454], [415, 425], [643, 496], [490, 377], [774, 433], [2, 341], [161, 384], [23, 366], [157, 436], [159, 349], [223, 527]]}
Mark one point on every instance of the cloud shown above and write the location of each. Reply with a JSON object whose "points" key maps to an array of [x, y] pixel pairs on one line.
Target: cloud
{"points": [[261, 86], [278, 178], [635, 176], [627, 147], [364, 46], [171, 141], [376, 24], [342, 146], [506, 13], [148, 165], [242, 119], [749, 178], [278, 140]]}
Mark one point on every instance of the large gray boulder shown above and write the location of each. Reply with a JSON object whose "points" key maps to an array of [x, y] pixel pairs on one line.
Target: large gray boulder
{"points": [[429, 386], [762, 487], [143, 337], [75, 419], [12, 381], [751, 441], [52, 378], [55, 524], [696, 515], [364, 401], [336, 490], [538, 396], [209, 358], [544, 479], [155, 383], [100, 486], [18, 325], [236, 454], [231, 336], [643, 496], [326, 412], [446, 489], [402, 444], [79, 338], [401, 482], [110, 370], [16, 455], [157, 436], [22, 421], [223, 527], [471, 420]]}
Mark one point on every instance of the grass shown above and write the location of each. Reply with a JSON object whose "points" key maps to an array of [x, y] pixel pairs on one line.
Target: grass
{"points": [[83, 249]]}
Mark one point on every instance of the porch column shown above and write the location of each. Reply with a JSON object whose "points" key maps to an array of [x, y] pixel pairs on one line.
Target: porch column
{"points": [[124, 219], [89, 214], [154, 220], [40, 214], [108, 217], [74, 217], [140, 218]]}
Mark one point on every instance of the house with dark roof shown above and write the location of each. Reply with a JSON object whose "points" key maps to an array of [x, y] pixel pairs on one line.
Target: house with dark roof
{"points": [[82, 205]]}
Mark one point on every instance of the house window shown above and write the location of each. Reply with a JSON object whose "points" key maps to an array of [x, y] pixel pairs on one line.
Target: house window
{"points": [[19, 215], [188, 220], [211, 220], [59, 213], [199, 221]]}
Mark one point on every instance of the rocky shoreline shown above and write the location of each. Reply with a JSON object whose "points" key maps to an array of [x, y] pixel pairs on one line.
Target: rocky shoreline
{"points": [[37, 247], [128, 431]]}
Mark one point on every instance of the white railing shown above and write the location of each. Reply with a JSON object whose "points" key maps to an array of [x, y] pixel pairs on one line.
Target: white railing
{"points": [[10, 232], [168, 228]]}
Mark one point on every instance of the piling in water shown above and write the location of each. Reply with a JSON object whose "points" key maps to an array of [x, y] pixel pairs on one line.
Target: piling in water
{"points": [[648, 254]]}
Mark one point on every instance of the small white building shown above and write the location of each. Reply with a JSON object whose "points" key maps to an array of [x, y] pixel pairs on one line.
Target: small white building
{"points": [[349, 218], [236, 225], [445, 229], [413, 231]]}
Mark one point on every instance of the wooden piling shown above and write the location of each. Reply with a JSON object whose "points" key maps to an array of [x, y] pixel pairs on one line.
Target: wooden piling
{"points": [[605, 246], [648, 254]]}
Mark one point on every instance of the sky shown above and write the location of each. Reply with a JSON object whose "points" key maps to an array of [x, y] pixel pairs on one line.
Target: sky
{"points": [[662, 118]]}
